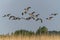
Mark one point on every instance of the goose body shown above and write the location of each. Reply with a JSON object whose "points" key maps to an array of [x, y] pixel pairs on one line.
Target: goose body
{"points": [[26, 10], [49, 18], [39, 19], [12, 17], [54, 14], [7, 15], [28, 18]]}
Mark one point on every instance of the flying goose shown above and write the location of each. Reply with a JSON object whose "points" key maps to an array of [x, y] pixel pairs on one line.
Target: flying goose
{"points": [[4, 15], [37, 15], [28, 18], [17, 18], [26, 10], [49, 18], [33, 18], [39, 19], [32, 13], [54, 14], [7, 15], [13, 17]]}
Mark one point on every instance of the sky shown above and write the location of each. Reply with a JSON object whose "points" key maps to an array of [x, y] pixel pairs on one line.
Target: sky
{"points": [[15, 7]]}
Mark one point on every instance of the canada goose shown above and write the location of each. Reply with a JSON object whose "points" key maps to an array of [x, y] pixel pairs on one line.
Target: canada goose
{"points": [[4, 15], [37, 15], [49, 18], [32, 13], [13, 17], [54, 14], [24, 12], [27, 8], [28, 18], [17, 18], [7, 15], [33, 18], [39, 19]]}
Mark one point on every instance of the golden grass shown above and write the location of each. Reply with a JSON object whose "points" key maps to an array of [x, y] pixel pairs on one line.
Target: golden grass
{"points": [[33, 37]]}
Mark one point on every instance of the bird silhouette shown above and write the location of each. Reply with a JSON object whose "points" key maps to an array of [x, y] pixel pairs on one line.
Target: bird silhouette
{"points": [[54, 14], [12, 17], [22, 13], [49, 18], [28, 18], [7, 15], [39, 19], [37, 15], [26, 10], [4, 15], [32, 13], [33, 18], [17, 18]]}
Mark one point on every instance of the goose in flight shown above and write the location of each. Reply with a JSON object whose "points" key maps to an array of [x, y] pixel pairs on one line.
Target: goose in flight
{"points": [[7, 15], [26, 10], [49, 18], [34, 16], [28, 18], [32, 13], [17, 18], [39, 19], [37, 15], [54, 14], [12, 17], [4, 16]]}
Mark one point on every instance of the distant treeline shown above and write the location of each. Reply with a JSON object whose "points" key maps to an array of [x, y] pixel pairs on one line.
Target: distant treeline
{"points": [[40, 30]]}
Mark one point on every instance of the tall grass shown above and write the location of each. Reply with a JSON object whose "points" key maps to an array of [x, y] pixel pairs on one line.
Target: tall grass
{"points": [[32, 37]]}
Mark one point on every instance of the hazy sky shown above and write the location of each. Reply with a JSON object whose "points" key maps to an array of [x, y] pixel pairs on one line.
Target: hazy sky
{"points": [[15, 7]]}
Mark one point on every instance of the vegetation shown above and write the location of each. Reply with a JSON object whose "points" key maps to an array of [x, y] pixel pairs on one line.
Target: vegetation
{"points": [[40, 31], [23, 32]]}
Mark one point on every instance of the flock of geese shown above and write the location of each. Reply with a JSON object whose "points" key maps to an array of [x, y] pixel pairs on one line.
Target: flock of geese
{"points": [[31, 16]]}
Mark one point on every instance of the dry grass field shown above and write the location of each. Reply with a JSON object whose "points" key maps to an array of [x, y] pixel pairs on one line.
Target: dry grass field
{"points": [[34, 37]]}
